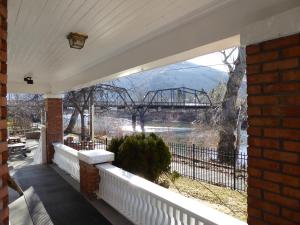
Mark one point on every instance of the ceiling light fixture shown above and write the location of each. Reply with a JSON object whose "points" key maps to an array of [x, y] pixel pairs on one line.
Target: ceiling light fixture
{"points": [[76, 40]]}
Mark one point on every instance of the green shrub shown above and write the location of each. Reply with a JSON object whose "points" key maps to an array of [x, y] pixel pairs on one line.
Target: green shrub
{"points": [[146, 156], [114, 146]]}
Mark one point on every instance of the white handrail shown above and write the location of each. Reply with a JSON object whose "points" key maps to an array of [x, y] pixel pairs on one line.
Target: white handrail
{"points": [[143, 202], [67, 159]]}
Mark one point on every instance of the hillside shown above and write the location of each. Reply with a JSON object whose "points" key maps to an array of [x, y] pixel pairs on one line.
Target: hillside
{"points": [[172, 76]]}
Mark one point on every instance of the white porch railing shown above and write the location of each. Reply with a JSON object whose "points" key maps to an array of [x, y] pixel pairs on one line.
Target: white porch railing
{"points": [[40, 154], [67, 159], [145, 203]]}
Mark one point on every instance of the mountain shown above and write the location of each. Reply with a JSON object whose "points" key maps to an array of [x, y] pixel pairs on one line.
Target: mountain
{"points": [[183, 74]]}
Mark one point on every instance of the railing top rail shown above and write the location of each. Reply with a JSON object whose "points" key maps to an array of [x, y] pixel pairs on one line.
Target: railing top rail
{"points": [[207, 215], [65, 149]]}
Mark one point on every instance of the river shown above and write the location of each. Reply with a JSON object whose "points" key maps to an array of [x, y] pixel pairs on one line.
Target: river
{"points": [[170, 131]]}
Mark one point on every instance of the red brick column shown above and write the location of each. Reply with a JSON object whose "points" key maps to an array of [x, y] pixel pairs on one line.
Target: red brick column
{"points": [[89, 179], [273, 73], [3, 115], [54, 125]]}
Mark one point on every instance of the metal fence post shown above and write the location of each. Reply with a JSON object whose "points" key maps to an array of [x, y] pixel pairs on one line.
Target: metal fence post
{"points": [[194, 175], [234, 170]]}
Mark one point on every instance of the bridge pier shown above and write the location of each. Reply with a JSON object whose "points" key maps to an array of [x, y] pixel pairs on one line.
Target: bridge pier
{"points": [[142, 122], [133, 119]]}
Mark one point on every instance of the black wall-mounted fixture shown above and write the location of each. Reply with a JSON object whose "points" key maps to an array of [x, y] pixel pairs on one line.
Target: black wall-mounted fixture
{"points": [[28, 79]]}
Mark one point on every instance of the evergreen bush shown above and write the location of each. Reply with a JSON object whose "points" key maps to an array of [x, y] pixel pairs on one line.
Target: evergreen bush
{"points": [[144, 155]]}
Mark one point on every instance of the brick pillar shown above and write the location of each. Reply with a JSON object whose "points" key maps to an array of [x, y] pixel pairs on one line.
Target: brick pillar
{"points": [[54, 125], [89, 179], [273, 74], [3, 115], [89, 173]]}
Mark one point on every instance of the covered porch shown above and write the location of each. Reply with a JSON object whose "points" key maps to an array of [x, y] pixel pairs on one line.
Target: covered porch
{"points": [[63, 203], [129, 37]]}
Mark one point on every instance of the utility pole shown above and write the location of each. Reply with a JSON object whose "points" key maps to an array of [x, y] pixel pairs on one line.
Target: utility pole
{"points": [[92, 114]]}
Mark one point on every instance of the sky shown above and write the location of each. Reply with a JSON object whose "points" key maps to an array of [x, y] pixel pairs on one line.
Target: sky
{"points": [[214, 60]]}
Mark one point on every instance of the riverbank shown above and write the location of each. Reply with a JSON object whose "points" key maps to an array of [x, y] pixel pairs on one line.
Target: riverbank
{"points": [[171, 131]]}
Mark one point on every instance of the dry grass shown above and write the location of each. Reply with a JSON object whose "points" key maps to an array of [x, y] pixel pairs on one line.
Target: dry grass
{"points": [[223, 199], [204, 136]]}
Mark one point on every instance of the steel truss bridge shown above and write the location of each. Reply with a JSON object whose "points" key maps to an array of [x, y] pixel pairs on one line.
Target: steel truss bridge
{"points": [[107, 96]]}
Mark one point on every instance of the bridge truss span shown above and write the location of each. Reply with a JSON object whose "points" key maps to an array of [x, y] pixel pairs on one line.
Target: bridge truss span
{"points": [[174, 98]]}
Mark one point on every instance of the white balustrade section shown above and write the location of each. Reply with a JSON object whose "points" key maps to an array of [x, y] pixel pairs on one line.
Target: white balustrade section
{"points": [[94, 157], [145, 203], [40, 154], [67, 159]]}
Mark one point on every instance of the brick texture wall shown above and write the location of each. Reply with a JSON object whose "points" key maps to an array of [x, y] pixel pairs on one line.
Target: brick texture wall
{"points": [[3, 115], [89, 179], [273, 74], [54, 125]]}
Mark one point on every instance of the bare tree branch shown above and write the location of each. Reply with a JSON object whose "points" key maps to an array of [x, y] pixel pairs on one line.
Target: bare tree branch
{"points": [[226, 57]]}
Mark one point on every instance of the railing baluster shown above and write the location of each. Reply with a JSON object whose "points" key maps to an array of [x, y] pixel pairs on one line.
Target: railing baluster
{"points": [[145, 203], [155, 211], [164, 213], [159, 211], [177, 217]]}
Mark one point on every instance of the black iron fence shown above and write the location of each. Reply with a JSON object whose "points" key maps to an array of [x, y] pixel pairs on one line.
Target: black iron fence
{"points": [[207, 164], [87, 145], [194, 162]]}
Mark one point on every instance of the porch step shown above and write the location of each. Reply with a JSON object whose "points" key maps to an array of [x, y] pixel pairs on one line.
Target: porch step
{"points": [[19, 212], [28, 209]]}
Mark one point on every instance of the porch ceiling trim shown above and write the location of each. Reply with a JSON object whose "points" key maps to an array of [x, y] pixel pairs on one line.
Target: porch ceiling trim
{"points": [[283, 24]]}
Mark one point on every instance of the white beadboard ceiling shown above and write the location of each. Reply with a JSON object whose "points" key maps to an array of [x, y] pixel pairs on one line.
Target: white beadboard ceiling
{"points": [[37, 32]]}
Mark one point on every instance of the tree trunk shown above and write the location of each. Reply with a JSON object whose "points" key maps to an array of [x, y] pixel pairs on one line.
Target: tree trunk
{"points": [[228, 124], [82, 126], [72, 122], [238, 133], [80, 100]]}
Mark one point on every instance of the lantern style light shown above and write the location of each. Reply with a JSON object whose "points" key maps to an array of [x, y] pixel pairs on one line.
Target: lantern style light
{"points": [[76, 40]]}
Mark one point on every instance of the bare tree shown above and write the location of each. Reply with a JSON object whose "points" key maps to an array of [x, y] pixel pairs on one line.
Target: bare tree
{"points": [[229, 113], [80, 101], [72, 121], [24, 109], [101, 96]]}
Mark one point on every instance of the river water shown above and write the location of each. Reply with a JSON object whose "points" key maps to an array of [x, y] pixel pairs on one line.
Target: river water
{"points": [[171, 131], [180, 132]]}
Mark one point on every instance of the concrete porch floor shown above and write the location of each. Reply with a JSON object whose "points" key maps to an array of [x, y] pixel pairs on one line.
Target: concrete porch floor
{"points": [[60, 195], [62, 202]]}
